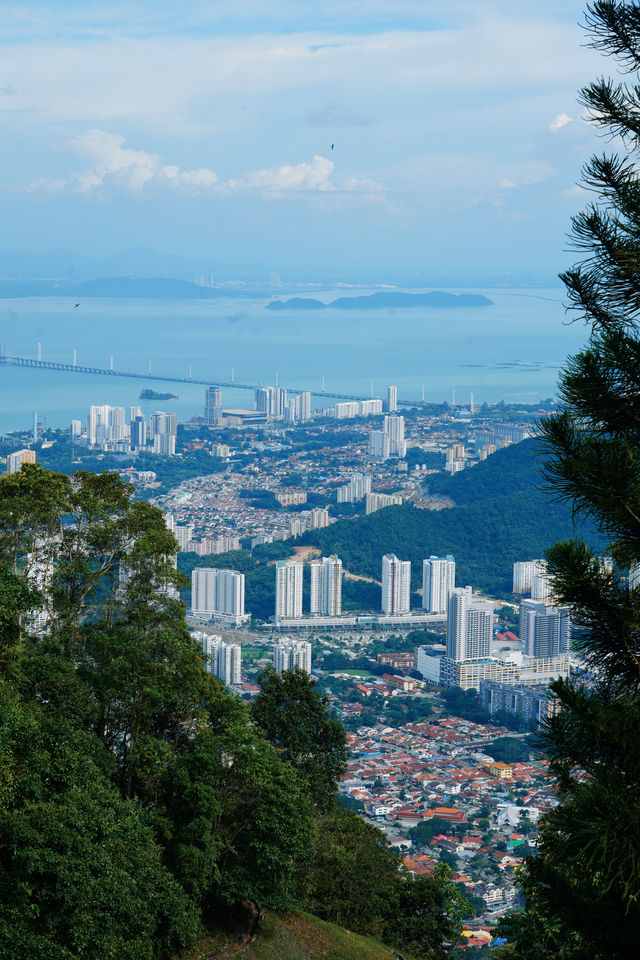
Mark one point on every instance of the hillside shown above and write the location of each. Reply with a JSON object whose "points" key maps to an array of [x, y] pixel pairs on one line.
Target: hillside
{"points": [[502, 514], [299, 936]]}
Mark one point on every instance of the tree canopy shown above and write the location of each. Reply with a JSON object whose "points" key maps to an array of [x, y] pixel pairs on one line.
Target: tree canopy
{"points": [[583, 889]]}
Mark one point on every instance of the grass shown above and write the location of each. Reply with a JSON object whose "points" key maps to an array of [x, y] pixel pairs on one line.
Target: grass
{"points": [[299, 936]]}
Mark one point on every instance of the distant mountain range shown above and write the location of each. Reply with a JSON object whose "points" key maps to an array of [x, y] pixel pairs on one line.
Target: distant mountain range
{"points": [[378, 301]]}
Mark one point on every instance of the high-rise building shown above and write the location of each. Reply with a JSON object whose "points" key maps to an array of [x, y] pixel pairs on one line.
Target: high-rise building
{"points": [[370, 408], [438, 582], [347, 410], [212, 405], [217, 594], [76, 429], [272, 401], [106, 424], [392, 399], [318, 518], [138, 427], [17, 459], [378, 501], [357, 487], [326, 586], [163, 428], [305, 405], [224, 660], [288, 654], [390, 441], [394, 428], [379, 445], [289, 575], [523, 573], [469, 626], [544, 630], [396, 585]]}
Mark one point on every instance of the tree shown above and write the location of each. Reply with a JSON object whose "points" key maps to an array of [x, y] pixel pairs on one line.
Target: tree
{"points": [[298, 721], [583, 890]]}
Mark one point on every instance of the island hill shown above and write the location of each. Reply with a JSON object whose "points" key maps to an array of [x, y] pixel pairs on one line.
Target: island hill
{"points": [[147, 394], [385, 300]]}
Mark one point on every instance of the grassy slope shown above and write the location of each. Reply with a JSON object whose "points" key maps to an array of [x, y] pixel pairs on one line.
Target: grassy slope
{"points": [[299, 936]]}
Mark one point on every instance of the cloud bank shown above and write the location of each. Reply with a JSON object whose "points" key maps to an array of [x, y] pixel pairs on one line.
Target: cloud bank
{"points": [[115, 166]]}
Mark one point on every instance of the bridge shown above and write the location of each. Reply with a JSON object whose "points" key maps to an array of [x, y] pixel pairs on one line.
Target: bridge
{"points": [[8, 360]]}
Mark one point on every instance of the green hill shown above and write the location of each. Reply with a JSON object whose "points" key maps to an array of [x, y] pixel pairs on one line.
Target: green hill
{"points": [[502, 514], [299, 936]]}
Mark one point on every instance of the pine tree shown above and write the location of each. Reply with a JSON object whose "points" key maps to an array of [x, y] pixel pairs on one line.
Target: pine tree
{"points": [[583, 889]]}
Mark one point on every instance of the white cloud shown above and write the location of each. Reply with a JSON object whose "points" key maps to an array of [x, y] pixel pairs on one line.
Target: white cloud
{"points": [[301, 176], [507, 185], [115, 166], [559, 122]]}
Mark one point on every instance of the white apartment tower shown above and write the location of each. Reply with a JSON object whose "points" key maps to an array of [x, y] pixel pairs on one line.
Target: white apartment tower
{"points": [[288, 589], [326, 586], [523, 573], [217, 594], [396, 585], [288, 654], [392, 399], [544, 630], [469, 626], [212, 405], [438, 582], [224, 660]]}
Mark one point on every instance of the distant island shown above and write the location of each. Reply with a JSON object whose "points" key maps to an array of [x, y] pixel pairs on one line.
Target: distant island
{"points": [[379, 301], [147, 394]]}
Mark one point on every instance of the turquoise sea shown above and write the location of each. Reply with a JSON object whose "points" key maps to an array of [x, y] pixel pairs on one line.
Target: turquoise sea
{"points": [[510, 351]]}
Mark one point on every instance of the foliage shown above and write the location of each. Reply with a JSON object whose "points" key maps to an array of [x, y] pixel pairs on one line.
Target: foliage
{"points": [[508, 518], [508, 750], [465, 704], [299, 723], [356, 880], [583, 889], [135, 794]]}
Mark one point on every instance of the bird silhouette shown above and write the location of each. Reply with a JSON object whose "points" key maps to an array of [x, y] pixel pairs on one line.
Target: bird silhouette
{"points": [[332, 145], [76, 306]]}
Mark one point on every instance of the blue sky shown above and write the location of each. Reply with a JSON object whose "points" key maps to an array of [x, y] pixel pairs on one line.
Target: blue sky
{"points": [[205, 129]]}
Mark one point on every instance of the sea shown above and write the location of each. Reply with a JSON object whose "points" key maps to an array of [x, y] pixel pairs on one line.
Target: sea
{"points": [[512, 350]]}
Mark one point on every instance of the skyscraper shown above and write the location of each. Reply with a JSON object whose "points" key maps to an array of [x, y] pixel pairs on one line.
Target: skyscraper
{"points": [[224, 660], [394, 428], [392, 399], [523, 573], [544, 630], [469, 626], [288, 654], [396, 585], [217, 594], [138, 428], [305, 405], [326, 586], [212, 405], [164, 428], [15, 460], [289, 575], [438, 581]]}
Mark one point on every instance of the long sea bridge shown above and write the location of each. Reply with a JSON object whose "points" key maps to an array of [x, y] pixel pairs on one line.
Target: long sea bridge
{"points": [[8, 360]]}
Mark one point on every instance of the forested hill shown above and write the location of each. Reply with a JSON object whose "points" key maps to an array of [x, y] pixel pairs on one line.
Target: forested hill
{"points": [[502, 514], [514, 468]]}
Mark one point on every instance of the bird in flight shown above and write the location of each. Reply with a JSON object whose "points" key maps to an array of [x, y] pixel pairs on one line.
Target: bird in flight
{"points": [[76, 306], [332, 145]]}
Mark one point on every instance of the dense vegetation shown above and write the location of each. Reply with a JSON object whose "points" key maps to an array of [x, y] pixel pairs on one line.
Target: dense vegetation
{"points": [[138, 799], [503, 515], [583, 889]]}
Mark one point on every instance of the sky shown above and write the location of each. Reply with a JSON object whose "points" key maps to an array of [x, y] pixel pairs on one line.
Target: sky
{"points": [[400, 141]]}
